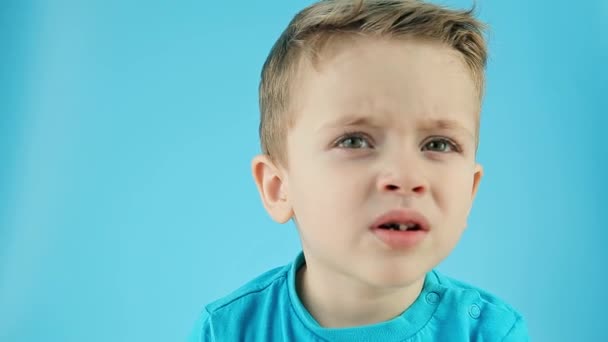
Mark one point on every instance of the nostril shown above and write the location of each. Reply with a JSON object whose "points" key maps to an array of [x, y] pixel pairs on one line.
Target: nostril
{"points": [[418, 189], [392, 187]]}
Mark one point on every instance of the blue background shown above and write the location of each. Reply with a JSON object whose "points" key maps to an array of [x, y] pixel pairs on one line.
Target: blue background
{"points": [[126, 133]]}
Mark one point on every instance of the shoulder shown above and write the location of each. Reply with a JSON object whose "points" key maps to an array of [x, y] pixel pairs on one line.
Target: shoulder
{"points": [[249, 302], [462, 289], [484, 313], [260, 286], [268, 284]]}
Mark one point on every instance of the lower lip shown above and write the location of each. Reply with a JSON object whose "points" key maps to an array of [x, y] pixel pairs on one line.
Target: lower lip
{"points": [[400, 239]]}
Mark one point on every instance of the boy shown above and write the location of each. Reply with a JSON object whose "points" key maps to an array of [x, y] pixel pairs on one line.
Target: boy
{"points": [[369, 129]]}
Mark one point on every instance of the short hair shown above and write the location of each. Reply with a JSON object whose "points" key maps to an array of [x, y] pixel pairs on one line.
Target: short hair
{"points": [[312, 27]]}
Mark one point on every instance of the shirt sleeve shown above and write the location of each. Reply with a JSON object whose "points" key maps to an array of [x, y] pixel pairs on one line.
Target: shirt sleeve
{"points": [[518, 332], [203, 329]]}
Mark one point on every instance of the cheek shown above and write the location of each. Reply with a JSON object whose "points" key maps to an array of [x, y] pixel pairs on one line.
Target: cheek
{"points": [[457, 197], [327, 194], [455, 204], [327, 189], [448, 183]]}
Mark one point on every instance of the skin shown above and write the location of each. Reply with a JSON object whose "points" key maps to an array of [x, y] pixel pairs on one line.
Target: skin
{"points": [[381, 124]]}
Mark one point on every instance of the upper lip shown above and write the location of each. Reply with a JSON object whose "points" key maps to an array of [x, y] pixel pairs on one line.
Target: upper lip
{"points": [[402, 216]]}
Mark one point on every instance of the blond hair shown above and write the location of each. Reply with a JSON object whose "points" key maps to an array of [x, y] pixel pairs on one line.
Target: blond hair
{"points": [[312, 27]]}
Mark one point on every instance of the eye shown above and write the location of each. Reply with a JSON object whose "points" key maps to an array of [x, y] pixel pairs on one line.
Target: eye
{"points": [[353, 141], [441, 145]]}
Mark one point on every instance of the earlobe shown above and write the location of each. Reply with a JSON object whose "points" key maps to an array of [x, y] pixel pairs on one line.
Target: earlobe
{"points": [[272, 188]]}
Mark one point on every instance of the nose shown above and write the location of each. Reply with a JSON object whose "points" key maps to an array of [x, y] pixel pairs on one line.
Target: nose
{"points": [[404, 177]]}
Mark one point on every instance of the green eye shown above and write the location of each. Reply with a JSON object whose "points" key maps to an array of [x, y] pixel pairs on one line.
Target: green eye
{"points": [[440, 145], [353, 141]]}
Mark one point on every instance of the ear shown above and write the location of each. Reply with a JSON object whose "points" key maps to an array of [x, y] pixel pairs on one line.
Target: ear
{"points": [[477, 175], [272, 186]]}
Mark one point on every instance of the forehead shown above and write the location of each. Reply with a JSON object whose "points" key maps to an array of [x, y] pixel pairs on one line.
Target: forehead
{"points": [[389, 79]]}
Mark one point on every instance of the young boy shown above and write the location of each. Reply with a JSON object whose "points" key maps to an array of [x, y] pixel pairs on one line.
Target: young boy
{"points": [[369, 129]]}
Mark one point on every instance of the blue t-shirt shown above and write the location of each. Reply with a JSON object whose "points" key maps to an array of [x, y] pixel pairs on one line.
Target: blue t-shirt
{"points": [[268, 309]]}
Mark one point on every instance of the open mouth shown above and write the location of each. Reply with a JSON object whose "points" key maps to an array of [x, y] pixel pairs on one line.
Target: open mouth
{"points": [[401, 226]]}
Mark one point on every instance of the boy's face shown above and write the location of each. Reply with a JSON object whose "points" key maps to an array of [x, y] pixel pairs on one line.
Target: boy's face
{"points": [[381, 125]]}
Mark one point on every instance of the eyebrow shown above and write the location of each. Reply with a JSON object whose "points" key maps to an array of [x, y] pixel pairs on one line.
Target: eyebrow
{"points": [[445, 124], [426, 124], [350, 120]]}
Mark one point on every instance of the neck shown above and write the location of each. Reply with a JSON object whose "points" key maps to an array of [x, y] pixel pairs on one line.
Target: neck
{"points": [[339, 301]]}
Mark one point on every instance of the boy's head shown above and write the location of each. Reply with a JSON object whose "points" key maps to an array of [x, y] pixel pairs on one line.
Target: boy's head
{"points": [[369, 107], [316, 29]]}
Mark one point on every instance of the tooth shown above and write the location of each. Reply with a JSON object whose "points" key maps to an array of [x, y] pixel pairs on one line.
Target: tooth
{"points": [[403, 227]]}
